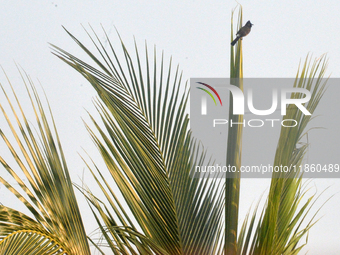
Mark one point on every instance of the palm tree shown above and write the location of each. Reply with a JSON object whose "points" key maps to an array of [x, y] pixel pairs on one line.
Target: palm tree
{"points": [[144, 138]]}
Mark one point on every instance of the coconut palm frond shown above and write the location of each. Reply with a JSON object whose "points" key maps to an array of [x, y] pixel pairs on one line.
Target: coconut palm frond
{"points": [[48, 193], [283, 221], [30, 243], [147, 148]]}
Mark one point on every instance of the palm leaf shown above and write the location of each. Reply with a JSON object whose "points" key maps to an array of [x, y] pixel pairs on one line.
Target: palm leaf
{"points": [[234, 149], [30, 243], [147, 148], [48, 194], [280, 230]]}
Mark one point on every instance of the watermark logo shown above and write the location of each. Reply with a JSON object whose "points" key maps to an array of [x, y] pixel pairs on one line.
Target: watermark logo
{"points": [[239, 100], [262, 109], [204, 98]]}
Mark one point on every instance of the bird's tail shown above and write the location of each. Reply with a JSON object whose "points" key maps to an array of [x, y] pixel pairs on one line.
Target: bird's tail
{"points": [[235, 41]]}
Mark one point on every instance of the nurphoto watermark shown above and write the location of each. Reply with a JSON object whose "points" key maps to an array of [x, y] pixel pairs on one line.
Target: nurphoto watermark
{"points": [[263, 104]]}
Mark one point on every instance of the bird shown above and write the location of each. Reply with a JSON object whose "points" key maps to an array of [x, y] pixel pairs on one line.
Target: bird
{"points": [[245, 30]]}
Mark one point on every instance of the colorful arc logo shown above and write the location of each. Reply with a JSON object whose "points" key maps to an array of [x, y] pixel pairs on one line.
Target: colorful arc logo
{"points": [[213, 90], [204, 99]]}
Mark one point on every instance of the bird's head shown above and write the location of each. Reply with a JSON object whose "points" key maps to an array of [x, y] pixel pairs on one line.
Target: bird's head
{"points": [[248, 24]]}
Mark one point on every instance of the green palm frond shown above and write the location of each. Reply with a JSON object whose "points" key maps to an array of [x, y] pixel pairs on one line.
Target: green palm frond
{"points": [[280, 230], [30, 243], [12, 221], [48, 193], [147, 148], [234, 149]]}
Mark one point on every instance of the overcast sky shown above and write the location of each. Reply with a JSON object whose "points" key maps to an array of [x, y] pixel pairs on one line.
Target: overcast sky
{"points": [[197, 34]]}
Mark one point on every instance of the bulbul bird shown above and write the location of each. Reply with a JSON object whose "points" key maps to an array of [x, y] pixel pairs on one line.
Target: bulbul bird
{"points": [[242, 32]]}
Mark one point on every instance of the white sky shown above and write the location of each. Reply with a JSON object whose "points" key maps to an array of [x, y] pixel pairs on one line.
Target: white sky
{"points": [[197, 34]]}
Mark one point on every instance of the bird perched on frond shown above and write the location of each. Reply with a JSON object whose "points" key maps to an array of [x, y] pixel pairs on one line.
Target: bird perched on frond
{"points": [[245, 30]]}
